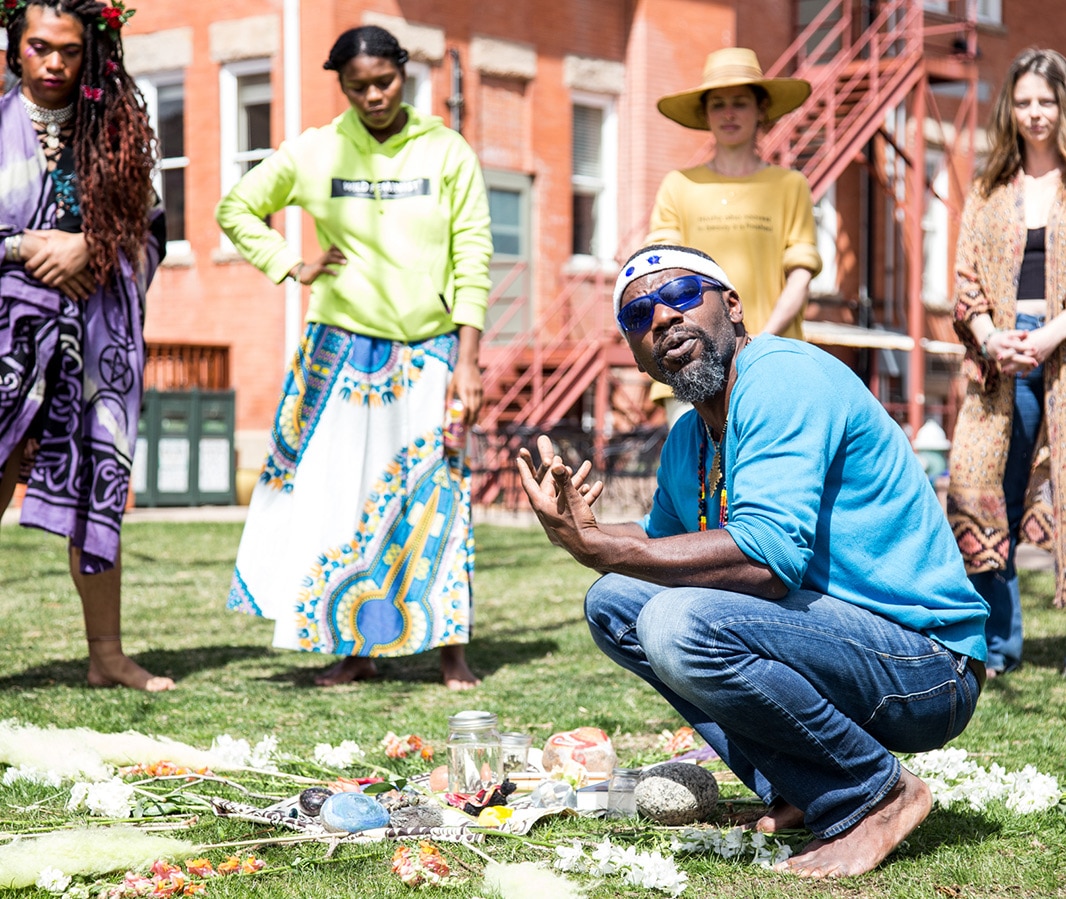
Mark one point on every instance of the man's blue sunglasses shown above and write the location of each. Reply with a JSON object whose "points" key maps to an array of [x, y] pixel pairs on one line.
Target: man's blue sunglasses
{"points": [[680, 294]]}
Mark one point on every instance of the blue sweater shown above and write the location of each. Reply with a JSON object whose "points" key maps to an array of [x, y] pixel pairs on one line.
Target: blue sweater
{"points": [[824, 489]]}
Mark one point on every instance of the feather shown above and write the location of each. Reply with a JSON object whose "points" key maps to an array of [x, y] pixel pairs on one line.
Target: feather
{"points": [[528, 881], [81, 752], [95, 850]]}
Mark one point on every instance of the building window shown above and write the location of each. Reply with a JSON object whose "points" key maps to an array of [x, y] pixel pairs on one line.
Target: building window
{"points": [[244, 124], [417, 87], [509, 314], [593, 177], [990, 12], [165, 97], [935, 250]]}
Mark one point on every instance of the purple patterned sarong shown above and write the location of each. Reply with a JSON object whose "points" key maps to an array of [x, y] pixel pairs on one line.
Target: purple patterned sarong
{"points": [[71, 373]]}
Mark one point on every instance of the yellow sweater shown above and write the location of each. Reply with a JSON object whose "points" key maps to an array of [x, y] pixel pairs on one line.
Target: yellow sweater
{"points": [[758, 228]]}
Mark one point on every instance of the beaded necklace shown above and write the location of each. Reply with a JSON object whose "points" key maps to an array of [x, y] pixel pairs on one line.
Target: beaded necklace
{"points": [[716, 477], [53, 120]]}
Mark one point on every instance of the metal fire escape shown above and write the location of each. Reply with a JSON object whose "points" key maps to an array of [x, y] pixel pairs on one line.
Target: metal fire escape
{"points": [[864, 61]]}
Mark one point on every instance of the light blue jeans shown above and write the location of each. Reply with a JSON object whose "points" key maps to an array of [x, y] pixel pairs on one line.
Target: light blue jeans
{"points": [[803, 698], [1003, 630]]}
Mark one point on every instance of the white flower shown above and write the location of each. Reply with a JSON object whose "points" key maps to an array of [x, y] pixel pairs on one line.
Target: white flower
{"points": [[1032, 791], [230, 752], [108, 799], [604, 859], [53, 880], [233, 753], [653, 871], [343, 756], [31, 774], [262, 755], [571, 858], [952, 778]]}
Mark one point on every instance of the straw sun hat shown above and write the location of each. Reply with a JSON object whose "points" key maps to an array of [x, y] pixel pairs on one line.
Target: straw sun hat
{"points": [[733, 67]]}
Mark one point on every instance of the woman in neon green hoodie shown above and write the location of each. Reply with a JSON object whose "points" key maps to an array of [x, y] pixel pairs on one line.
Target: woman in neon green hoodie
{"points": [[358, 540]]}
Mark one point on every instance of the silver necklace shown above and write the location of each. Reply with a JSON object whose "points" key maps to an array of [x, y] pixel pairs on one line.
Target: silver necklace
{"points": [[52, 119]]}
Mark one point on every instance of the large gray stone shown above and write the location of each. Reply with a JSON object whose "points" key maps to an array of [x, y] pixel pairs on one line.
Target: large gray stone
{"points": [[676, 793]]}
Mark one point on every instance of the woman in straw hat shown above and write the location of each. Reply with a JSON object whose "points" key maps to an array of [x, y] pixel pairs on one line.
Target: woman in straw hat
{"points": [[755, 219]]}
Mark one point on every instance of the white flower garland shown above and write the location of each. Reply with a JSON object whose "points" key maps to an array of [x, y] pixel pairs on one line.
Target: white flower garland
{"points": [[649, 870], [953, 779]]}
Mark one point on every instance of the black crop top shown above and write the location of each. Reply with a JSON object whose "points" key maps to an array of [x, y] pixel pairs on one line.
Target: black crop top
{"points": [[1031, 277]]}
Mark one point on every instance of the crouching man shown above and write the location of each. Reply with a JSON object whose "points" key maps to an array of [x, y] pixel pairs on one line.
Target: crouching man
{"points": [[795, 592]]}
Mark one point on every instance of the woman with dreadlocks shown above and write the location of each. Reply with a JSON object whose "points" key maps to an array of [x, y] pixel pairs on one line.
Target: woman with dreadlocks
{"points": [[81, 240]]}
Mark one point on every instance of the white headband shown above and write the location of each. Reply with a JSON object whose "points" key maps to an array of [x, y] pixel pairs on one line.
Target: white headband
{"points": [[657, 259]]}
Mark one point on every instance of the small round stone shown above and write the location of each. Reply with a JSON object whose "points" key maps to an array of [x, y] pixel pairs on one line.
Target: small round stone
{"points": [[676, 793], [312, 798]]}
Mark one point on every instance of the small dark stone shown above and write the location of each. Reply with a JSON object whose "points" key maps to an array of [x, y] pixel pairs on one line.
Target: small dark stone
{"points": [[312, 798]]}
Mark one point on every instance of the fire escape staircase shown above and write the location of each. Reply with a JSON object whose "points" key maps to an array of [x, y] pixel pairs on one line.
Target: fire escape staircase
{"points": [[860, 68]]}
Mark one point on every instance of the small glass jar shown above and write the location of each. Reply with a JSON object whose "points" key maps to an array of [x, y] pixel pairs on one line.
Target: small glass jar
{"points": [[473, 752], [514, 749], [621, 800]]}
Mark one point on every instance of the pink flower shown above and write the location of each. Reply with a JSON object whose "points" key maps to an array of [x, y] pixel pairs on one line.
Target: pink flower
{"points": [[110, 67], [96, 94]]}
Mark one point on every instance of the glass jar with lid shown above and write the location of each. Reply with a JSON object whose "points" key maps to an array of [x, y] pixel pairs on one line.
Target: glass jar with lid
{"points": [[474, 758], [514, 748], [621, 798]]}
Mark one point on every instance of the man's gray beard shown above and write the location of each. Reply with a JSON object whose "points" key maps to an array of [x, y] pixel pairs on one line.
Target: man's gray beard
{"points": [[698, 381]]}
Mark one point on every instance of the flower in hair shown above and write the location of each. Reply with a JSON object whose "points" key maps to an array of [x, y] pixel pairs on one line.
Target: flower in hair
{"points": [[10, 11], [96, 94], [110, 67], [113, 17]]}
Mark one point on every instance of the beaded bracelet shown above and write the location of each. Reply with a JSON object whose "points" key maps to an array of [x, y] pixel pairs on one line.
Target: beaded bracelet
{"points": [[984, 343]]}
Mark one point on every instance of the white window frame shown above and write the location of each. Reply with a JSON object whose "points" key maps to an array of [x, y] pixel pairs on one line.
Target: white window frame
{"points": [[605, 234], [990, 12], [231, 156], [419, 85], [936, 283], [825, 224], [149, 86]]}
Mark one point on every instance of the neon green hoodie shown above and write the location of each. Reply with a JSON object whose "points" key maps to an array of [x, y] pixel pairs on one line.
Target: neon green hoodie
{"points": [[410, 215]]}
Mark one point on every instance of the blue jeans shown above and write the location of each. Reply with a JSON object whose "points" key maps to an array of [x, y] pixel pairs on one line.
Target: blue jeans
{"points": [[1003, 630], [802, 698]]}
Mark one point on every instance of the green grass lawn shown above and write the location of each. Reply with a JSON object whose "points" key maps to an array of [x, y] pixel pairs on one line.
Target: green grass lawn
{"points": [[541, 674]]}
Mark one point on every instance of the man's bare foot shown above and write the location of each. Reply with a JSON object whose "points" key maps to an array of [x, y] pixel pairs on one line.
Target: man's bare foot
{"points": [[347, 671], [456, 673], [780, 816], [109, 666], [864, 846]]}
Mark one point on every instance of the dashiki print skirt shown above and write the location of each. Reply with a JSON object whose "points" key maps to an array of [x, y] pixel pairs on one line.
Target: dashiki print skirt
{"points": [[359, 539]]}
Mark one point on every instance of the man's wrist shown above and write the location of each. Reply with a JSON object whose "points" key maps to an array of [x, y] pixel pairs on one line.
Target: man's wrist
{"points": [[296, 271]]}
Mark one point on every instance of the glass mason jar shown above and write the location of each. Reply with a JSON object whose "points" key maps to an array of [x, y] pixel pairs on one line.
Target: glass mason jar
{"points": [[514, 751], [621, 800], [474, 758]]}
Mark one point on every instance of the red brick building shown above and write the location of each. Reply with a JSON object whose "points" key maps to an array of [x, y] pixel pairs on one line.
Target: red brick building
{"points": [[557, 97]]}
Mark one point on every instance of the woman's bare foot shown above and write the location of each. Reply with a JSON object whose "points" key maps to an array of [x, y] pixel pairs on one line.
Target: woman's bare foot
{"points": [[780, 816], [456, 673], [109, 666], [864, 846], [347, 671]]}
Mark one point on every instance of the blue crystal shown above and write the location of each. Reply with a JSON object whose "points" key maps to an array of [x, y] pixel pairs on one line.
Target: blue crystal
{"points": [[353, 812]]}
